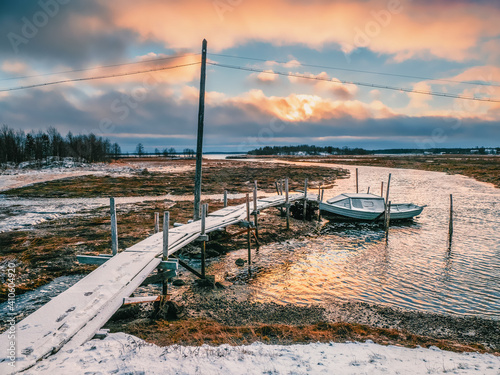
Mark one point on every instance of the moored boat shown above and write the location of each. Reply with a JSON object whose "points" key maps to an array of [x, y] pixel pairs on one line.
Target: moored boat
{"points": [[367, 207]]}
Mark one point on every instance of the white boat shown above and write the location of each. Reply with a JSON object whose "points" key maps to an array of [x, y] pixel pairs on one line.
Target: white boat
{"points": [[368, 207]]}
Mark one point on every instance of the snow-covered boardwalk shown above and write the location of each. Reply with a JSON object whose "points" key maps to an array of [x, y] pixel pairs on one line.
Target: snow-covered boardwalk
{"points": [[74, 316]]}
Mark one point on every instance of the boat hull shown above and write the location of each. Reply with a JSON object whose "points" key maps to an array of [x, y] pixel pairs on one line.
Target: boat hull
{"points": [[349, 213]]}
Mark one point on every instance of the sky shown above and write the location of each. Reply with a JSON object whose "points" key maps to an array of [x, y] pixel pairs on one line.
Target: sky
{"points": [[259, 53]]}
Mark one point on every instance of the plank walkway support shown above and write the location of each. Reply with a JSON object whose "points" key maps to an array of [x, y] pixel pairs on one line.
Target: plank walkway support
{"points": [[319, 201], [166, 223], [157, 222], [388, 187], [357, 190], [114, 226], [203, 243], [248, 231], [74, 316], [450, 225], [382, 189], [255, 213], [287, 205], [387, 220], [305, 199], [199, 142], [225, 198]]}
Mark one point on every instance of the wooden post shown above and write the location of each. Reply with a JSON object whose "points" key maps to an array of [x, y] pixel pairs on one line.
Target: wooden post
{"points": [[199, 143], [225, 198], [319, 200], [157, 222], [322, 194], [357, 190], [248, 231], [255, 213], [368, 191], [166, 222], [287, 205], [277, 188], [382, 189], [114, 226], [203, 244], [450, 227], [305, 199], [281, 187], [388, 187], [387, 219]]}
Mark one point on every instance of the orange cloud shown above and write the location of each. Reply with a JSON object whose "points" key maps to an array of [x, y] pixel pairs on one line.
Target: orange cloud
{"points": [[399, 27], [323, 83], [297, 108]]}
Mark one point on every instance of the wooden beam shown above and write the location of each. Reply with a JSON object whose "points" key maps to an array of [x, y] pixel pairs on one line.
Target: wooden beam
{"points": [[157, 222], [248, 231], [287, 205], [114, 226], [450, 226], [199, 142], [305, 199], [188, 267]]}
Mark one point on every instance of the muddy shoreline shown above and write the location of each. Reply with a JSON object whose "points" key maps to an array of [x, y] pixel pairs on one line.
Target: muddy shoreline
{"points": [[225, 314]]}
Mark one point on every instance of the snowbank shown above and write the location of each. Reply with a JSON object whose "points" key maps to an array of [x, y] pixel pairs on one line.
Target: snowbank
{"points": [[125, 354]]}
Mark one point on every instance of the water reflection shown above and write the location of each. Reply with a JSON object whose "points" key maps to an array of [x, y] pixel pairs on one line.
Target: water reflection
{"points": [[415, 269]]}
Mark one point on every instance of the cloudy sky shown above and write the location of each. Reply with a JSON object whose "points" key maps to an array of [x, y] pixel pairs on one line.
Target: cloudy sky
{"points": [[349, 50]]}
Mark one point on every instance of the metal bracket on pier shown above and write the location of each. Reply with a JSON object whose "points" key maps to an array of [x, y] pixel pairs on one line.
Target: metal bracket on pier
{"points": [[171, 264], [203, 237]]}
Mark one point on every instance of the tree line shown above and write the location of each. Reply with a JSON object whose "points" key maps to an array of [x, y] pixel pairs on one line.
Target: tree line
{"points": [[17, 146], [307, 149]]}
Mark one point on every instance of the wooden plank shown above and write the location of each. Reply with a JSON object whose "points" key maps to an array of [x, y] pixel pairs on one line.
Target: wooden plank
{"points": [[75, 315]]}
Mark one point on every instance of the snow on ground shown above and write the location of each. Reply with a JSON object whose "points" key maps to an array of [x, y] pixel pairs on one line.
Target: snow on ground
{"points": [[120, 353]]}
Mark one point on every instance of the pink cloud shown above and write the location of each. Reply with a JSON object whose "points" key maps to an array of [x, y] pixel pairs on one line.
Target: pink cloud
{"points": [[400, 27]]}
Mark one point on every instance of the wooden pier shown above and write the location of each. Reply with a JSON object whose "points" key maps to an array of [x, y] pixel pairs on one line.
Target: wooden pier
{"points": [[74, 316]]}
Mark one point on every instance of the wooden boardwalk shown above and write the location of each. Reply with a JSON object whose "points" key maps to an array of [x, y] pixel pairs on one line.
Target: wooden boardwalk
{"points": [[74, 316]]}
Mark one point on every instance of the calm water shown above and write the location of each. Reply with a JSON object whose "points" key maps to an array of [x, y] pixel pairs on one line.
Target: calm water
{"points": [[415, 269]]}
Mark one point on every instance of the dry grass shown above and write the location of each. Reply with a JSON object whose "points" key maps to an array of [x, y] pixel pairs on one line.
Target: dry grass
{"points": [[49, 250], [234, 176], [203, 331], [482, 168]]}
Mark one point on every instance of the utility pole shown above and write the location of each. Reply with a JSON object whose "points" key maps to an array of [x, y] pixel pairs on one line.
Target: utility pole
{"points": [[199, 143]]}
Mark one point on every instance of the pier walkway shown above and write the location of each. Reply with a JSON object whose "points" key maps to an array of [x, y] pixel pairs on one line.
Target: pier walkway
{"points": [[74, 316]]}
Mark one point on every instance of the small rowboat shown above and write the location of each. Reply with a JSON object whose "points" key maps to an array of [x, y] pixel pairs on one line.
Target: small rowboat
{"points": [[368, 207]]}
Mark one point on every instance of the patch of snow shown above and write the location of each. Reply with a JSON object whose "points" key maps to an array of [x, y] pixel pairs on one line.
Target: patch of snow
{"points": [[120, 353]]}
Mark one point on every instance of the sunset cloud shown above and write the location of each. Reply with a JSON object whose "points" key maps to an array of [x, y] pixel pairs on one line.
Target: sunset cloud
{"points": [[402, 28], [454, 46]]}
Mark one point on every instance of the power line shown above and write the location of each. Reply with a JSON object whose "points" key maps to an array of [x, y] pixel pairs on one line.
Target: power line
{"points": [[98, 77], [102, 66], [374, 85], [367, 71]]}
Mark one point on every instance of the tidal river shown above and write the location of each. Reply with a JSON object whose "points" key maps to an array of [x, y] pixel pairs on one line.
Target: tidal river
{"points": [[415, 269]]}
